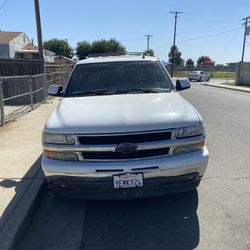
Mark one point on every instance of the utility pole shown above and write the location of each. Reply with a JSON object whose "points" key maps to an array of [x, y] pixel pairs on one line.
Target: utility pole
{"points": [[245, 35], [175, 25], [39, 29], [148, 37]]}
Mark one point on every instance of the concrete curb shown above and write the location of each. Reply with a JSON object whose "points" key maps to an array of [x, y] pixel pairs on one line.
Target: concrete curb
{"points": [[14, 229], [226, 87]]}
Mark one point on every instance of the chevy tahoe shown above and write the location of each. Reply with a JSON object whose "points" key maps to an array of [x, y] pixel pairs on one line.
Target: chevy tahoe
{"points": [[122, 130]]}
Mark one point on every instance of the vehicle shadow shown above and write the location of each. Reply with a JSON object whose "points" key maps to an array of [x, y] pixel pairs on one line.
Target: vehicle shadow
{"points": [[16, 201], [168, 222]]}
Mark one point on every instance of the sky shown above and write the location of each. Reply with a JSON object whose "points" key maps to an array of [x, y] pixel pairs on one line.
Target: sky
{"points": [[212, 28]]}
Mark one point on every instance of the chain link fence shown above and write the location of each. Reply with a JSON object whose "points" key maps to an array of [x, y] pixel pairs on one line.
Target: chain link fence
{"points": [[225, 73], [21, 94]]}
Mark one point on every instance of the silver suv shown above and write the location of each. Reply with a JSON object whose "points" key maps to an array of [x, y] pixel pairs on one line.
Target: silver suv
{"points": [[122, 130]]}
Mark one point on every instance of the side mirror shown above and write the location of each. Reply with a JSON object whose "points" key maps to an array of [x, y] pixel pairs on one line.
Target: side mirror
{"points": [[182, 84], [55, 90]]}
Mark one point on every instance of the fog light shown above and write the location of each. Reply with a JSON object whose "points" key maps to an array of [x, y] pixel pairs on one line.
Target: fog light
{"points": [[65, 156]]}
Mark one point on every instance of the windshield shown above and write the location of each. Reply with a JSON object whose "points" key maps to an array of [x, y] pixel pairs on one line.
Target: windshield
{"points": [[118, 78]]}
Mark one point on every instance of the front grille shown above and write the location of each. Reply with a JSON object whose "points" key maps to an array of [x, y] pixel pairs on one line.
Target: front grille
{"points": [[119, 139], [123, 156]]}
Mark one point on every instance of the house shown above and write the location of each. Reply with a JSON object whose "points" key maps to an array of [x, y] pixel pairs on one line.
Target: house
{"points": [[17, 45], [30, 51], [10, 42]]}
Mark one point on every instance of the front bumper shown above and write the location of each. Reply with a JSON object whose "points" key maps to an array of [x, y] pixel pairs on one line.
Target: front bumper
{"points": [[93, 180]]}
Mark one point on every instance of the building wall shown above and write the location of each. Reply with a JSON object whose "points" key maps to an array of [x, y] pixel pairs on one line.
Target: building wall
{"points": [[49, 56], [243, 74], [18, 43], [4, 51]]}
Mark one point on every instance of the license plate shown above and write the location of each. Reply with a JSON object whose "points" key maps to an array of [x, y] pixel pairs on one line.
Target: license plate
{"points": [[128, 180]]}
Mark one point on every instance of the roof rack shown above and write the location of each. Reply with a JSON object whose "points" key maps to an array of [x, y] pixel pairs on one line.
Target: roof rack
{"points": [[107, 54], [118, 54], [134, 53]]}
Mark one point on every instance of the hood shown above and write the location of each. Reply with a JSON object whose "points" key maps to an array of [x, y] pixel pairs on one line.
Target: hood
{"points": [[121, 113]]}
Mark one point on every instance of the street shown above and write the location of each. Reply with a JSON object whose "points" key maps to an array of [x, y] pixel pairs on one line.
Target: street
{"points": [[216, 216]]}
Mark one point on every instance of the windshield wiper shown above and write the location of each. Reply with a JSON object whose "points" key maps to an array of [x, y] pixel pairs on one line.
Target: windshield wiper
{"points": [[119, 91], [92, 92], [141, 90]]}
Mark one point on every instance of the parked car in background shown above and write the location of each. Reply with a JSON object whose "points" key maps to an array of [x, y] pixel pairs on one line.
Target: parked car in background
{"points": [[201, 76]]}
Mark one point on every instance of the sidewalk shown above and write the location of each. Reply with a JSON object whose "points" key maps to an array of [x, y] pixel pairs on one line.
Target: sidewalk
{"points": [[227, 86], [21, 178]]}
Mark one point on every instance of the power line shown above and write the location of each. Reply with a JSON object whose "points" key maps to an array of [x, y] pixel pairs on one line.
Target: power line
{"points": [[201, 37], [228, 44], [211, 35], [210, 30], [3, 4], [214, 20], [173, 48], [148, 38]]}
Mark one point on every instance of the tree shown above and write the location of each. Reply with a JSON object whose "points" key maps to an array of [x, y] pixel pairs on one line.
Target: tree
{"points": [[177, 56], [107, 46], [116, 46], [150, 52], [59, 46], [205, 60], [83, 49], [189, 63]]}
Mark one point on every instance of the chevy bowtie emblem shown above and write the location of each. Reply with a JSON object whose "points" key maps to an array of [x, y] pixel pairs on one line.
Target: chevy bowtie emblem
{"points": [[126, 148]]}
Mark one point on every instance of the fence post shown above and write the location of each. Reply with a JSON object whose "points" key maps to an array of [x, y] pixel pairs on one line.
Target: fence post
{"points": [[2, 120], [45, 86], [31, 93]]}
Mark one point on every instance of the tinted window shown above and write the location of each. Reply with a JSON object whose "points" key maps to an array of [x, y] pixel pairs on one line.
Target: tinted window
{"points": [[118, 76]]}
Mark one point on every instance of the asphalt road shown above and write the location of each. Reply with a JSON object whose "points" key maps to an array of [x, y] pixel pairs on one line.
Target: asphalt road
{"points": [[216, 216]]}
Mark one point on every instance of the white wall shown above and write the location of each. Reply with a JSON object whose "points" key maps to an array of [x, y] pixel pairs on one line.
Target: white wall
{"points": [[243, 74], [18, 43], [48, 56]]}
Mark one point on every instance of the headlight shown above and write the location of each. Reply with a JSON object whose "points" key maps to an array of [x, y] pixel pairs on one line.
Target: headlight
{"points": [[189, 131], [189, 148], [58, 139], [65, 156]]}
